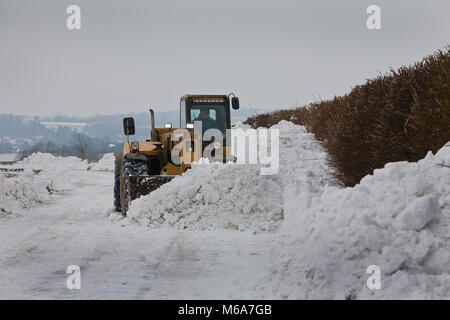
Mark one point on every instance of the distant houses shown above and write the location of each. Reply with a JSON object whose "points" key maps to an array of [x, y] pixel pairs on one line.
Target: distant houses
{"points": [[8, 158]]}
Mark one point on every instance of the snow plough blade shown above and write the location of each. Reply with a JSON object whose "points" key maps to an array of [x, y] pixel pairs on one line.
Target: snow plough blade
{"points": [[143, 185]]}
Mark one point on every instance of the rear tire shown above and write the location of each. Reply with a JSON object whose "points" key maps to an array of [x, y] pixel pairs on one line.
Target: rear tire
{"points": [[130, 167]]}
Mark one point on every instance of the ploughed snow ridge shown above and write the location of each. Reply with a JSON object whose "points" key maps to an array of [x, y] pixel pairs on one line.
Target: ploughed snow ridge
{"points": [[43, 175], [396, 220]]}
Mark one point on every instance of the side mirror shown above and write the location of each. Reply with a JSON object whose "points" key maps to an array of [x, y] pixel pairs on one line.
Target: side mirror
{"points": [[235, 103], [128, 126]]}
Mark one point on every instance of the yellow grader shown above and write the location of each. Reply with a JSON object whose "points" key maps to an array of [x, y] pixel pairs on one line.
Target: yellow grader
{"points": [[144, 166]]}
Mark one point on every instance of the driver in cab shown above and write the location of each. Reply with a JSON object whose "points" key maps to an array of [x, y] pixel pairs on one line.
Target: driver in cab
{"points": [[205, 118]]}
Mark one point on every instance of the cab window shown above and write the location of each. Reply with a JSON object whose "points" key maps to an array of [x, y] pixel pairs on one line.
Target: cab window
{"points": [[182, 114], [195, 113]]}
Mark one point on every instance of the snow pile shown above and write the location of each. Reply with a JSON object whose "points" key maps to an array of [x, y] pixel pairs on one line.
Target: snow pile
{"points": [[208, 197], [60, 173], [304, 168], [237, 196], [43, 174], [21, 191], [396, 219], [49, 162], [106, 163]]}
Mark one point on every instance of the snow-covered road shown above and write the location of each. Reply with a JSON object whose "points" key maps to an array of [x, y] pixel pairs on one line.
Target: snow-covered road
{"points": [[121, 261]]}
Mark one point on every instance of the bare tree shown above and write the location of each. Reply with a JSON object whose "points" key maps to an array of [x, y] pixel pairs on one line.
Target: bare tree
{"points": [[82, 145]]}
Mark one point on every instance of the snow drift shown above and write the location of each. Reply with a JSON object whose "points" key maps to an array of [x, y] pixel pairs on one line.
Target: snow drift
{"points": [[22, 191], [61, 173], [208, 197], [43, 175], [397, 219]]}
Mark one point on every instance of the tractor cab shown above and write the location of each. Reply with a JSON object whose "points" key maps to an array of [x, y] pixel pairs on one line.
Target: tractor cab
{"points": [[213, 111]]}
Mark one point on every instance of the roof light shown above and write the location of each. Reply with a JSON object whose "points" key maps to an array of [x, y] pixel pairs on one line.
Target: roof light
{"points": [[190, 126], [167, 125], [209, 100]]}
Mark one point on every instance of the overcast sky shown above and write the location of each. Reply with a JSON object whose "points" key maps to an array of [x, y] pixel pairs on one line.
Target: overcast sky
{"points": [[132, 54]]}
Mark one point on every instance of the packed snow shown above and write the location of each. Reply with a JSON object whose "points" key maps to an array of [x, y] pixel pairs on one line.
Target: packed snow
{"points": [[208, 197], [21, 191]]}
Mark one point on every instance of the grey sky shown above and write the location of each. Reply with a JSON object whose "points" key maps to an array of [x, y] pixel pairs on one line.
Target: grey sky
{"points": [[133, 54]]}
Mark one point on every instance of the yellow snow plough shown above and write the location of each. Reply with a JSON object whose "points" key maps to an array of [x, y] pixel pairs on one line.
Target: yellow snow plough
{"points": [[144, 166]]}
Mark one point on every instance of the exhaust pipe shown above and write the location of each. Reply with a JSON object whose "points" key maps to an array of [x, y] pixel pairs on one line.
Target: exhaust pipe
{"points": [[153, 133]]}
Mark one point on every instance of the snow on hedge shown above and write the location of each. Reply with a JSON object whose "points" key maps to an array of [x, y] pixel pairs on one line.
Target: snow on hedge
{"points": [[397, 219], [43, 175]]}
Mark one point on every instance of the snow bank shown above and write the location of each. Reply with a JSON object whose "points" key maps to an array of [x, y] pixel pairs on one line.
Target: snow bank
{"points": [[209, 197], [397, 219], [49, 162], [61, 173], [22, 191], [43, 174], [106, 163], [304, 168], [238, 197]]}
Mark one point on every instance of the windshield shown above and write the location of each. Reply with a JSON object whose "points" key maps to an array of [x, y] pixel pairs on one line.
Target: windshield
{"points": [[211, 116]]}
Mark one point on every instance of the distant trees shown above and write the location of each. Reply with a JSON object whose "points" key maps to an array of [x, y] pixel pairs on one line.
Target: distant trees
{"points": [[5, 147], [20, 126], [81, 145], [45, 147]]}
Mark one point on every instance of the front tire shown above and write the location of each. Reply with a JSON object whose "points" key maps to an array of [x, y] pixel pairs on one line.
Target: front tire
{"points": [[118, 166], [130, 167]]}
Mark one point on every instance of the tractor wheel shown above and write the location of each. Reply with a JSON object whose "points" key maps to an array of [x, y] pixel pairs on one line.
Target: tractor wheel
{"points": [[130, 167], [118, 165]]}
